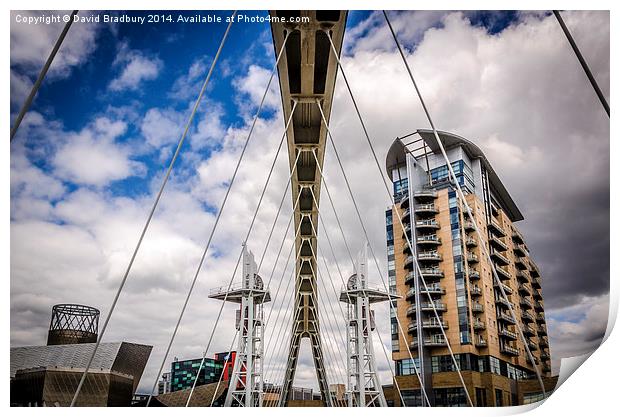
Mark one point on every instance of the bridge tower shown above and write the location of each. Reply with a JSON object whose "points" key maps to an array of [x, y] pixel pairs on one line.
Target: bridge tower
{"points": [[307, 72], [363, 387], [246, 382]]}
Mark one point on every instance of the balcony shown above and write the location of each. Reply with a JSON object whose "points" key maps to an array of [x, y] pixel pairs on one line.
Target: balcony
{"points": [[494, 210], [428, 240], [479, 325], [432, 323], [546, 368], [543, 342], [475, 290], [426, 224], [469, 226], [472, 257], [540, 318], [525, 289], [542, 330], [409, 261], [431, 273], [502, 273], [534, 271], [498, 244], [403, 201], [523, 276], [544, 356], [429, 256], [495, 228], [439, 306], [432, 290], [506, 318], [536, 361], [499, 258], [520, 250], [526, 304], [508, 334], [506, 288], [528, 330], [480, 342], [406, 213], [521, 263], [517, 236], [425, 194], [536, 283], [533, 346], [503, 302], [477, 307], [527, 317], [538, 307], [426, 209], [537, 296], [471, 242], [432, 341], [473, 274], [509, 350]]}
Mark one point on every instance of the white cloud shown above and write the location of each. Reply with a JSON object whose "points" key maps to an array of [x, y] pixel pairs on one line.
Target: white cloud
{"points": [[252, 85], [32, 44], [136, 68], [92, 157]]}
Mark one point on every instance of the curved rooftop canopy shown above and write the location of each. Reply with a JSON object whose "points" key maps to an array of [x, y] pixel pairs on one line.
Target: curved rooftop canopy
{"points": [[396, 157]]}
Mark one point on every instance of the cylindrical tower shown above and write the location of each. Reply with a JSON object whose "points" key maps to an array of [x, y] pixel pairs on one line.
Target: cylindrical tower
{"points": [[73, 323]]}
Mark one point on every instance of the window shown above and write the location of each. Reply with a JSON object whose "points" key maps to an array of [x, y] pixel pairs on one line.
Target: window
{"points": [[495, 368], [499, 397], [450, 397], [481, 397], [412, 398], [405, 366]]}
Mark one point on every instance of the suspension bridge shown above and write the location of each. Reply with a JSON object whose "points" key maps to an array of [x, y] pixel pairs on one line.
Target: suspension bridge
{"points": [[307, 48]]}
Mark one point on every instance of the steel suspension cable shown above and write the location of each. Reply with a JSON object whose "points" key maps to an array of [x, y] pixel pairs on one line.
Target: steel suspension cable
{"points": [[448, 345], [376, 262], [152, 212], [217, 387], [37, 85], [464, 203], [582, 61], [232, 277], [348, 295]]}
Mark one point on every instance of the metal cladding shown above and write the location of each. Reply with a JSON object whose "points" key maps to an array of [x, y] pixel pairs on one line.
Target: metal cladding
{"points": [[307, 73], [55, 371], [73, 323]]}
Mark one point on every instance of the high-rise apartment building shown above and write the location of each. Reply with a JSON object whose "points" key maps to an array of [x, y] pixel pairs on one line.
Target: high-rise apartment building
{"points": [[475, 317]]}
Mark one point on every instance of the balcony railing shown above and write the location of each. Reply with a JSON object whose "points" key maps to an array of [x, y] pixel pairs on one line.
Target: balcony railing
{"points": [[428, 239], [536, 283], [521, 263], [432, 289], [527, 317], [495, 228], [528, 330], [503, 301], [525, 289], [477, 307], [475, 290], [520, 250], [537, 295], [544, 343], [509, 350], [517, 236], [534, 271], [525, 303], [472, 257], [425, 194], [538, 306], [523, 276], [499, 258], [473, 274], [506, 317], [469, 225], [502, 273], [540, 318], [431, 272], [542, 330], [480, 342], [498, 244], [426, 208], [506, 288], [532, 345], [429, 256], [508, 334], [427, 224], [479, 325], [432, 323], [470, 242], [438, 306]]}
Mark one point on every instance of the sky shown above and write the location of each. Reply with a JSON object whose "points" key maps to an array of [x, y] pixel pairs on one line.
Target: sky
{"points": [[90, 155]]}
